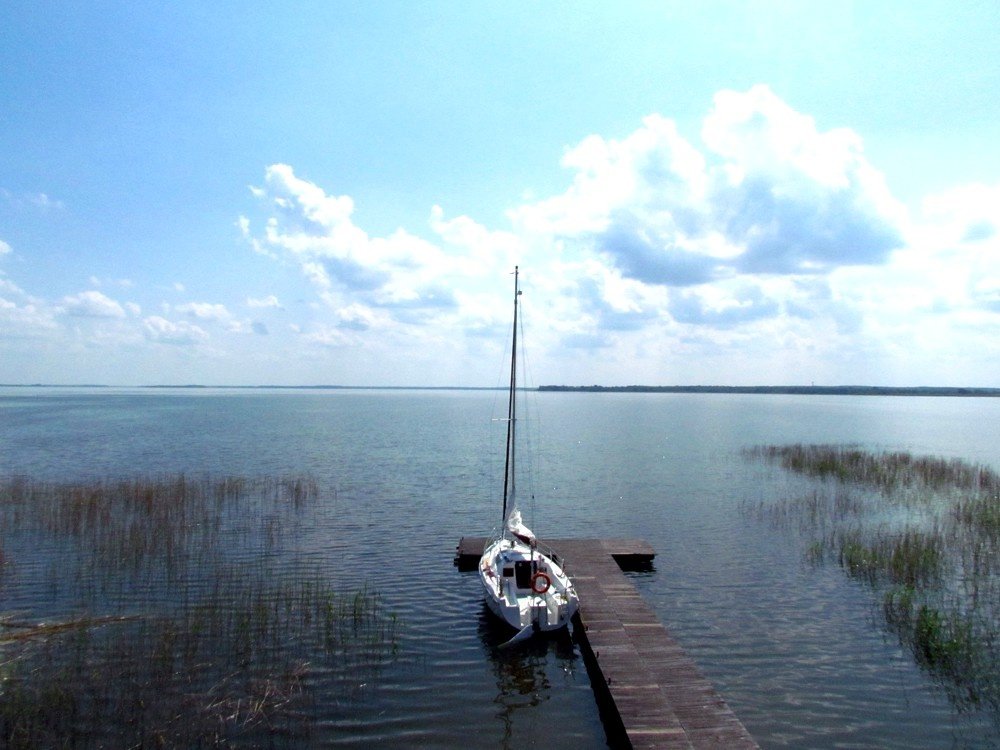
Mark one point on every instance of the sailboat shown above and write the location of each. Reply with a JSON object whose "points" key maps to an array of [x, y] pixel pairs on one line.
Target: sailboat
{"points": [[524, 585]]}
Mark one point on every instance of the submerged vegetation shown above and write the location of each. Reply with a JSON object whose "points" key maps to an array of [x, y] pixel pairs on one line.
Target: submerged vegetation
{"points": [[886, 471], [171, 612], [924, 534]]}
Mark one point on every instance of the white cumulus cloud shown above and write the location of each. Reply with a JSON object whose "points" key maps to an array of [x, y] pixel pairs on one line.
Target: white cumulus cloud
{"points": [[263, 302], [181, 333], [761, 235], [317, 231], [766, 193], [92, 304], [204, 311], [24, 319], [793, 198]]}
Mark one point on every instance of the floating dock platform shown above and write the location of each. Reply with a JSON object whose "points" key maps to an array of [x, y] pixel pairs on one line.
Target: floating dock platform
{"points": [[650, 692]]}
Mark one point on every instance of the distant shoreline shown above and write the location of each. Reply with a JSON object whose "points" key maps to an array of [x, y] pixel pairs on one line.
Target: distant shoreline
{"points": [[197, 387], [786, 390]]}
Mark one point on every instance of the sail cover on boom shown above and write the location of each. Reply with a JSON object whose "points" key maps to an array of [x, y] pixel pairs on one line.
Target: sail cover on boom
{"points": [[516, 527]]}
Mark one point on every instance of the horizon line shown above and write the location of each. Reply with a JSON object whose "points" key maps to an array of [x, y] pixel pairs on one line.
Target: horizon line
{"points": [[733, 389]]}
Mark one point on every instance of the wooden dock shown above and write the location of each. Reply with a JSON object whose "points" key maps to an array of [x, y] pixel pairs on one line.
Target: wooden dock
{"points": [[650, 692]]}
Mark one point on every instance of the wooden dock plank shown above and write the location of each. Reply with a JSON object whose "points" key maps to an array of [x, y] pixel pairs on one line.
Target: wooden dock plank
{"points": [[658, 696]]}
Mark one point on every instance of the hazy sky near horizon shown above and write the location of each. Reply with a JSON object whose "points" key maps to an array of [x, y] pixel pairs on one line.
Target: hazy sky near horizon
{"points": [[697, 193]]}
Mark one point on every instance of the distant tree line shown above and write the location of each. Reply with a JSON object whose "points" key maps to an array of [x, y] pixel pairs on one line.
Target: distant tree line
{"points": [[797, 390]]}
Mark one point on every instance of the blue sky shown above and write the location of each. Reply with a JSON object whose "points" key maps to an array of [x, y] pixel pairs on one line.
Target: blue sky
{"points": [[719, 192]]}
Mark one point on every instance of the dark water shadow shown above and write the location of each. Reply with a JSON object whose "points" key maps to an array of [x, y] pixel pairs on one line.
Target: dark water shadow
{"points": [[527, 673]]}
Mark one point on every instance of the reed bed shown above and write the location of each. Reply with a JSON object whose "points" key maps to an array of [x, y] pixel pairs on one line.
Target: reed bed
{"points": [[167, 611], [906, 558], [924, 534], [887, 470]]}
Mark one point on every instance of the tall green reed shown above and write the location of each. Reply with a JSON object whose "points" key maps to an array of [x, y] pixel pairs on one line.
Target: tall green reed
{"points": [[924, 534]]}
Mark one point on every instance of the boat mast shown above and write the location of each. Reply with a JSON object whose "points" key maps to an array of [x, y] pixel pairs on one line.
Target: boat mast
{"points": [[508, 469]]}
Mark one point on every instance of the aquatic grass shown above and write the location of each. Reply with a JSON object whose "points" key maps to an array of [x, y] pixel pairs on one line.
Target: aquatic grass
{"points": [[812, 510], [190, 622], [957, 647], [981, 513], [133, 690], [908, 558], [152, 526], [942, 641], [888, 470], [924, 534]]}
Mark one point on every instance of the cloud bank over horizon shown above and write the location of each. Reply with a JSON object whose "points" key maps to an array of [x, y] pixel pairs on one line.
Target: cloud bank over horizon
{"points": [[763, 251]]}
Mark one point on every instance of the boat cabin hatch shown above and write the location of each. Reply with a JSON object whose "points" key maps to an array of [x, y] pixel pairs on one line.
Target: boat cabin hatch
{"points": [[523, 570]]}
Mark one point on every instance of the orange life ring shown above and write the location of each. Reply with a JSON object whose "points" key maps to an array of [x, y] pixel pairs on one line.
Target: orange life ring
{"points": [[546, 582]]}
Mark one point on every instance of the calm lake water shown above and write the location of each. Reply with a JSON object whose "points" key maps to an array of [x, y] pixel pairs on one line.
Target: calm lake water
{"points": [[794, 649]]}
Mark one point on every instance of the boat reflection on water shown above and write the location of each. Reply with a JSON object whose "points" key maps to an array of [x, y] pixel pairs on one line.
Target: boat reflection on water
{"points": [[529, 673]]}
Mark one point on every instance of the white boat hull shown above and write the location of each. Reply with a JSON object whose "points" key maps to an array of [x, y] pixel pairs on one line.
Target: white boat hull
{"points": [[524, 587]]}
